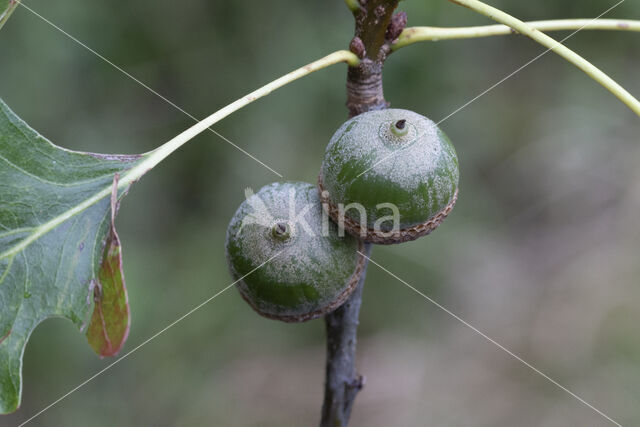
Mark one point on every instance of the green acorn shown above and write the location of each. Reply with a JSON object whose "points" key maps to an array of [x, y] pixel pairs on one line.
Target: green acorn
{"points": [[289, 261], [389, 176]]}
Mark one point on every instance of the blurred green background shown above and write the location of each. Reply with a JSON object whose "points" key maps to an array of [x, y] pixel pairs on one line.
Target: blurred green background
{"points": [[541, 252]]}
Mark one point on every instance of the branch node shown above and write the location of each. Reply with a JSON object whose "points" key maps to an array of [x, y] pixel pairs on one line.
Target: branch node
{"points": [[357, 383]]}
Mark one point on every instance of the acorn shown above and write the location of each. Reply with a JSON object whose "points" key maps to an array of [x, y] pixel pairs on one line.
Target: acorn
{"points": [[389, 176], [287, 256]]}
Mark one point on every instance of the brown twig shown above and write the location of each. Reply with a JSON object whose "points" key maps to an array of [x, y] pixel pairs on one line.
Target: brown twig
{"points": [[376, 29]]}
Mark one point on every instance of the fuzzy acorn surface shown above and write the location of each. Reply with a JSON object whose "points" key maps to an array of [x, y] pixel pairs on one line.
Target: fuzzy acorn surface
{"points": [[390, 159], [308, 269]]}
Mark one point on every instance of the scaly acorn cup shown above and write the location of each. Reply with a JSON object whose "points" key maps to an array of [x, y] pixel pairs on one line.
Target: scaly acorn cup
{"points": [[389, 176], [308, 271]]}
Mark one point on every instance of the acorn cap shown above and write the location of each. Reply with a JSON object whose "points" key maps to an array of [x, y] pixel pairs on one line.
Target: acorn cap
{"points": [[395, 158], [289, 261]]}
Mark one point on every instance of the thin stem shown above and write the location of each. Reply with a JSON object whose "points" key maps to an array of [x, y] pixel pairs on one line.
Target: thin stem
{"points": [[4, 16], [342, 382], [152, 158], [521, 27], [156, 156], [421, 34]]}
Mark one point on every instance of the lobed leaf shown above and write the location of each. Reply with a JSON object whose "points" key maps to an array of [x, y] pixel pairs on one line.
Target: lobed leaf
{"points": [[57, 243]]}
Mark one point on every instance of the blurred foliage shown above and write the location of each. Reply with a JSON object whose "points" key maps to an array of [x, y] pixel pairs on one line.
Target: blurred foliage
{"points": [[540, 253]]}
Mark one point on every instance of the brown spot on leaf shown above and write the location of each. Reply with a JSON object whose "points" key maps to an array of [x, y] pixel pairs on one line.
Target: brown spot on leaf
{"points": [[109, 326]]}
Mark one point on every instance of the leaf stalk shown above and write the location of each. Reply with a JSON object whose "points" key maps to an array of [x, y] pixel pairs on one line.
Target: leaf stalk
{"points": [[587, 67], [413, 35], [159, 154]]}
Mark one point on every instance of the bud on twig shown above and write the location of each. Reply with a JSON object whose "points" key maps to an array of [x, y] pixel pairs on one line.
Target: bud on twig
{"points": [[357, 46], [398, 23]]}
